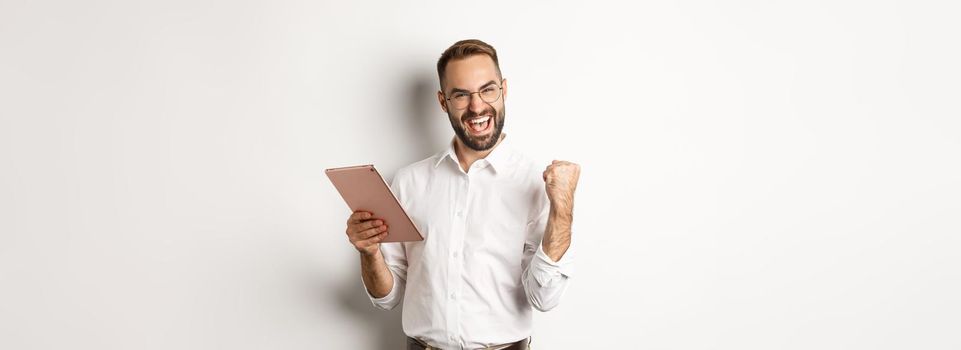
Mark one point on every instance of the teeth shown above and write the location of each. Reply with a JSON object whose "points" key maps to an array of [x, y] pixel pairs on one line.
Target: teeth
{"points": [[480, 120]]}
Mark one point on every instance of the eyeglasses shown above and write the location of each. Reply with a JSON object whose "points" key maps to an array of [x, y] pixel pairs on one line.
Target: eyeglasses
{"points": [[461, 99]]}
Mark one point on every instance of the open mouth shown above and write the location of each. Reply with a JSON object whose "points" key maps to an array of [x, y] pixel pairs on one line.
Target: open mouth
{"points": [[480, 125]]}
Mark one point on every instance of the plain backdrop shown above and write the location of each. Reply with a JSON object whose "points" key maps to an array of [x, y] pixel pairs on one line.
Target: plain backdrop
{"points": [[756, 174]]}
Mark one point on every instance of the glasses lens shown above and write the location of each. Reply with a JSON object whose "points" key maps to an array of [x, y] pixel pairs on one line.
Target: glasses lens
{"points": [[460, 100], [490, 94]]}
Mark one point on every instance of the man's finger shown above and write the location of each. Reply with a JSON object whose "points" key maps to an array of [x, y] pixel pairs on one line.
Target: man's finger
{"points": [[366, 234], [359, 216], [373, 240], [379, 237], [363, 225], [372, 223]]}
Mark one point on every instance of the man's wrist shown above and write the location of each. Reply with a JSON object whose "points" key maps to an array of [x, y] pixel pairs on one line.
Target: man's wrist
{"points": [[562, 211], [370, 256]]}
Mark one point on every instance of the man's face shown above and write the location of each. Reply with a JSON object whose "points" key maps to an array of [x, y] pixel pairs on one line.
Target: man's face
{"points": [[479, 124]]}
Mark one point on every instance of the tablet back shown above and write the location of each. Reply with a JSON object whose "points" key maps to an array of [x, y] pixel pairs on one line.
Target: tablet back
{"points": [[364, 189]]}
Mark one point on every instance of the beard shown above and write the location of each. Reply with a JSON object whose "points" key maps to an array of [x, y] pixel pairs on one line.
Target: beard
{"points": [[482, 143]]}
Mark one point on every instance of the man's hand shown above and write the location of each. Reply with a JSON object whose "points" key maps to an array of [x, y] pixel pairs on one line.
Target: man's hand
{"points": [[365, 232], [560, 181]]}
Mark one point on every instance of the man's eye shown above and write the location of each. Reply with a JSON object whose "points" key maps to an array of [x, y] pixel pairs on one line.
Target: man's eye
{"points": [[487, 90], [459, 96]]}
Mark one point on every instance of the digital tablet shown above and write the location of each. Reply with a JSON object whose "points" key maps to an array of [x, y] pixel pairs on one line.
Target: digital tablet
{"points": [[365, 190]]}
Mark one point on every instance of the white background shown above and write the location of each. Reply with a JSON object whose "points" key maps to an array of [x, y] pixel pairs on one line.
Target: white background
{"points": [[756, 174]]}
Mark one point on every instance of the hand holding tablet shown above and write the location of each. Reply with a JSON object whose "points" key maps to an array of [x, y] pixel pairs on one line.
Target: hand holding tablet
{"points": [[378, 216]]}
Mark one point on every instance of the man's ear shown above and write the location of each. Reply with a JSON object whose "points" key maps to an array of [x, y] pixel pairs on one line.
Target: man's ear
{"points": [[441, 100], [504, 89]]}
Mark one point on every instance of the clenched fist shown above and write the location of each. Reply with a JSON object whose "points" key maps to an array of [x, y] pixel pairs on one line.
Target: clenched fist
{"points": [[560, 181]]}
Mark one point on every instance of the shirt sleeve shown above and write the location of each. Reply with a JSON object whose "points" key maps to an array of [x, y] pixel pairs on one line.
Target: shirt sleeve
{"points": [[396, 258], [544, 279], [395, 255]]}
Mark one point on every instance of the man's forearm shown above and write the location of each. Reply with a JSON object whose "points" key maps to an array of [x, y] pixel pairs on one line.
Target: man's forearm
{"points": [[377, 276], [557, 237]]}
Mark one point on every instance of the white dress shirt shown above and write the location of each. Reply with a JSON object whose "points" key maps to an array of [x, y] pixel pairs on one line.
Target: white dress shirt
{"points": [[472, 281]]}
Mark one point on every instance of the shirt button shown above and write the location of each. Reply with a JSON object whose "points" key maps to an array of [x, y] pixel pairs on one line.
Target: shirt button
{"points": [[458, 213], [452, 296], [455, 254]]}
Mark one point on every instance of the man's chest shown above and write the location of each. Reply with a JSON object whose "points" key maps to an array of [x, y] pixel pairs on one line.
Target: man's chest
{"points": [[477, 217]]}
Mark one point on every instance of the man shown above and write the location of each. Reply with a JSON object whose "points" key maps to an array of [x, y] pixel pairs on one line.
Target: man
{"points": [[496, 227]]}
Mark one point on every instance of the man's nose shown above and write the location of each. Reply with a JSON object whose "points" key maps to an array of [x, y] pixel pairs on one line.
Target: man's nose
{"points": [[477, 104]]}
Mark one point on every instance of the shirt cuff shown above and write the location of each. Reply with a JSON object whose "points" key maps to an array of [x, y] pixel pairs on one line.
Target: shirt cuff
{"points": [[546, 271]]}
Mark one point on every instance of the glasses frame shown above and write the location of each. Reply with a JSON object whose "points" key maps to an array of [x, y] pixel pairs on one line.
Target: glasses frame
{"points": [[500, 92]]}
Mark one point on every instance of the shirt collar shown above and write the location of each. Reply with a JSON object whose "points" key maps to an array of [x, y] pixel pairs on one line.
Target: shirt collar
{"points": [[498, 158]]}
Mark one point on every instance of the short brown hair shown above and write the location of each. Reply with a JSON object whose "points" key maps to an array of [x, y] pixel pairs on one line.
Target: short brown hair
{"points": [[464, 49]]}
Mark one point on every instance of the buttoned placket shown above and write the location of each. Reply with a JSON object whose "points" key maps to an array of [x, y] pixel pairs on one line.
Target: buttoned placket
{"points": [[455, 260]]}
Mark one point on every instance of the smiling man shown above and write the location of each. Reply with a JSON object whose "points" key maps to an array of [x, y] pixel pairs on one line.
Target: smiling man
{"points": [[496, 226]]}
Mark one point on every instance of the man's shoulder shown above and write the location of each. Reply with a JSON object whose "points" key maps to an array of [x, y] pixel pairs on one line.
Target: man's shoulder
{"points": [[420, 167], [526, 165]]}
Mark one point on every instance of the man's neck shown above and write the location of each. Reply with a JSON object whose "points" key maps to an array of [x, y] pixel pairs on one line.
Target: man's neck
{"points": [[467, 156]]}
